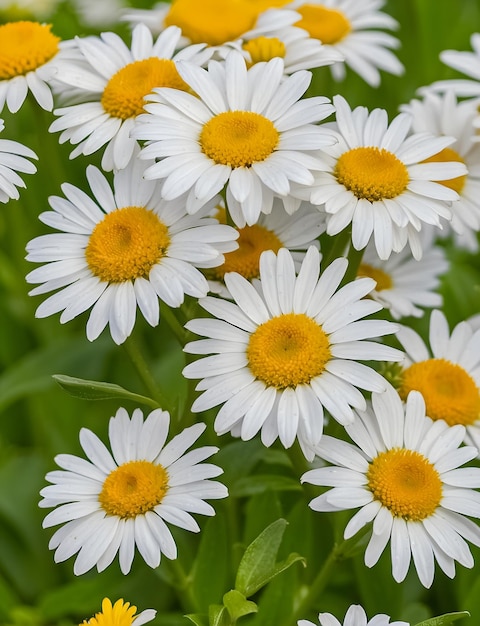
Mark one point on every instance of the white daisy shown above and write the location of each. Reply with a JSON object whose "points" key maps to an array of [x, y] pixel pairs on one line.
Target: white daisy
{"points": [[447, 373], [286, 349], [350, 28], [12, 160], [126, 248], [115, 80], [404, 475], [376, 180], [114, 502], [27, 50], [120, 613], [247, 129], [355, 616]]}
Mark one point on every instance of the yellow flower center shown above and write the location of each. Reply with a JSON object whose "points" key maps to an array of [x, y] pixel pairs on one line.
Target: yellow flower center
{"points": [[212, 21], [372, 173], [328, 25], [120, 614], [238, 138], [384, 280], [406, 483], [264, 49], [288, 350], [450, 393], [133, 489], [24, 47], [445, 155], [124, 95], [126, 244]]}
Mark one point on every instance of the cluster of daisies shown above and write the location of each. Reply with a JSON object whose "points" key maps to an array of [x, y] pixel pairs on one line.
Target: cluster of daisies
{"points": [[288, 219]]}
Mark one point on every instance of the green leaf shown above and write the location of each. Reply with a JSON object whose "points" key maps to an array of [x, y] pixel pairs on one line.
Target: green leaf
{"points": [[218, 615], [444, 620], [238, 605], [94, 390], [199, 619]]}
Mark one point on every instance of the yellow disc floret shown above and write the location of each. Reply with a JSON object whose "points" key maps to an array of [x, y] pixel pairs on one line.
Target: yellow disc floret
{"points": [[384, 280], [126, 244], [450, 393], [264, 49], [372, 173], [328, 25], [238, 138], [288, 350], [406, 483], [446, 155], [133, 489], [120, 614], [24, 47]]}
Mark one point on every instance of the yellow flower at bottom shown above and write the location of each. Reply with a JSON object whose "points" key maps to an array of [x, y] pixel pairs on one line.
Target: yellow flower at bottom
{"points": [[119, 614]]}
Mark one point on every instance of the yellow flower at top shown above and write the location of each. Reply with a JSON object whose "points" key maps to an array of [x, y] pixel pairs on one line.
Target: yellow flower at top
{"points": [[119, 614]]}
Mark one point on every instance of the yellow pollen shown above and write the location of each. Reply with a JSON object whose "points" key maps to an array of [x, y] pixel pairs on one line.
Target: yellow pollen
{"points": [[126, 244], [288, 350], [264, 49], [24, 47], [120, 614], [445, 155], [213, 22], [384, 280], [372, 173], [450, 393], [133, 489], [124, 95], [406, 483], [328, 25], [238, 138]]}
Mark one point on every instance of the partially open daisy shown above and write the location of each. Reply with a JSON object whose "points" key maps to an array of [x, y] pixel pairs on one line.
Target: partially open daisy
{"points": [[378, 180], [115, 80], [404, 475], [355, 616], [116, 502], [12, 160], [26, 53], [126, 248], [119, 614], [350, 28], [287, 349], [248, 130], [447, 374]]}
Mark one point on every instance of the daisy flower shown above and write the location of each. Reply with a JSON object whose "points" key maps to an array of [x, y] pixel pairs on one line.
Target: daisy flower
{"points": [[115, 80], [119, 614], [114, 502], [12, 160], [125, 248], [350, 28], [376, 182], [402, 283], [355, 616], [447, 373], [247, 129], [27, 50], [403, 473], [286, 349]]}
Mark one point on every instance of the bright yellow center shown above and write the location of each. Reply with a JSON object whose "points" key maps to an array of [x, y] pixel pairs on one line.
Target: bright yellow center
{"points": [[372, 173], [406, 483], [124, 95], [120, 614], [133, 489], [288, 350], [126, 244], [384, 280], [24, 47], [264, 49], [450, 393], [213, 22], [328, 25], [238, 138], [445, 155]]}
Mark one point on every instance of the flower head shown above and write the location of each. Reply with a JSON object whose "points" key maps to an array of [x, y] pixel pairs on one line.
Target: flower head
{"points": [[12, 160], [355, 616], [119, 614]]}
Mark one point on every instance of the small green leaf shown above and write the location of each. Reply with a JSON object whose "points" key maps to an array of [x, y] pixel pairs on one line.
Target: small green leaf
{"points": [[199, 619], [238, 605], [444, 620], [218, 615]]}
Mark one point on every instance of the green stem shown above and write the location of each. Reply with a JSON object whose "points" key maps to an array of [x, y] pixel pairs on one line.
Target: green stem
{"points": [[175, 326], [334, 250], [181, 583]]}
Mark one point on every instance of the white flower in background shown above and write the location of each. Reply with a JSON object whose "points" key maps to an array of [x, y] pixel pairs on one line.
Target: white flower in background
{"points": [[12, 160], [115, 80], [350, 27], [126, 248], [248, 130], [355, 616], [119, 614], [286, 349], [97, 14], [117, 501], [13, 10], [403, 474]]}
